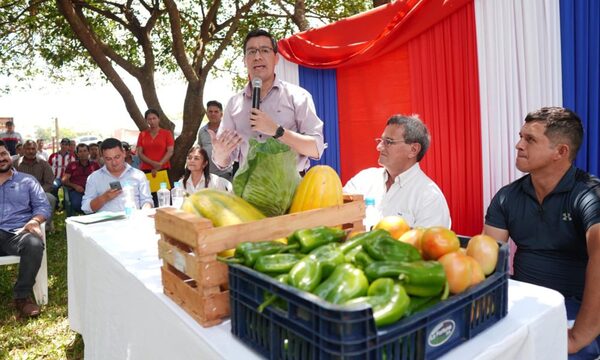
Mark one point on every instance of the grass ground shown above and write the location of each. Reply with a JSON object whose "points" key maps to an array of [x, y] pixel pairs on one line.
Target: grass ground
{"points": [[48, 336]]}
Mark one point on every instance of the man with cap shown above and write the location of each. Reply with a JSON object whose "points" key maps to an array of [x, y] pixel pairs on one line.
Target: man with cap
{"points": [[59, 161]]}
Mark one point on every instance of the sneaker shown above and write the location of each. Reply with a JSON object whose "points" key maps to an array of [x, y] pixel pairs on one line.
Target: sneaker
{"points": [[27, 307]]}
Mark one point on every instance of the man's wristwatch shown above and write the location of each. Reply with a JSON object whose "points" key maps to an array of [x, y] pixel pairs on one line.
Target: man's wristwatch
{"points": [[279, 132]]}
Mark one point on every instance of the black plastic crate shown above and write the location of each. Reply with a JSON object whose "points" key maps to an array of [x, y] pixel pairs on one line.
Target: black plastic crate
{"points": [[311, 328]]}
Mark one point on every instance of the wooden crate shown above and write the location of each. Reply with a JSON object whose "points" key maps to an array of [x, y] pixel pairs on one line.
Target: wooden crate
{"points": [[191, 274]]}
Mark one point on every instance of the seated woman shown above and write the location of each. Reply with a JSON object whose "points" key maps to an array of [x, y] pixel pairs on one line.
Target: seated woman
{"points": [[197, 175]]}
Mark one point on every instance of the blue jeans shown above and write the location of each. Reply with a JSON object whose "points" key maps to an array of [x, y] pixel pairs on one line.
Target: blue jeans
{"points": [[592, 351], [75, 198]]}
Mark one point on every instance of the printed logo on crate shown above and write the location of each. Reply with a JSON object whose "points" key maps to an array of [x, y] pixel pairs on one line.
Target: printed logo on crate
{"points": [[441, 333]]}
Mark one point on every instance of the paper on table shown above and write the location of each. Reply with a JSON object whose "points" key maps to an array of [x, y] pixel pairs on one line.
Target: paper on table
{"points": [[98, 217], [161, 176]]}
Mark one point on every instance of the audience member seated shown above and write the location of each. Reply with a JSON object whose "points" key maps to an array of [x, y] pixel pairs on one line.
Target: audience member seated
{"points": [[75, 177], [24, 209], [33, 165], [58, 162], [399, 186], [130, 157], [95, 153], [41, 153], [197, 175], [18, 153], [99, 196]]}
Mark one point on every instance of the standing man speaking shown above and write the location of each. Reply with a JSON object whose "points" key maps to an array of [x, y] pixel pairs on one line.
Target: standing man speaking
{"points": [[286, 112]]}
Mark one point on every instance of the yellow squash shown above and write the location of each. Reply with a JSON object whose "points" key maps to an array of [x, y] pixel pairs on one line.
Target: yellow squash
{"points": [[221, 207], [321, 187]]}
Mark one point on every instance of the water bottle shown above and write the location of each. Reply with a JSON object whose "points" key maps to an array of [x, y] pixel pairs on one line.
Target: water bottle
{"points": [[164, 195], [130, 203], [372, 215], [177, 195]]}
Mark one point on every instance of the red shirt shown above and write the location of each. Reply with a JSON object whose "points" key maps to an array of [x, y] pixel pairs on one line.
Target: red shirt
{"points": [[80, 173], [155, 148]]}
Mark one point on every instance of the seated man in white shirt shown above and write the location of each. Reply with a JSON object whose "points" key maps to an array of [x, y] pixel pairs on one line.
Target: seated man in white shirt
{"points": [[401, 187], [99, 196]]}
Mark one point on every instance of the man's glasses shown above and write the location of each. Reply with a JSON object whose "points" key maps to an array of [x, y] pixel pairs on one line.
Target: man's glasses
{"points": [[264, 50], [388, 142]]}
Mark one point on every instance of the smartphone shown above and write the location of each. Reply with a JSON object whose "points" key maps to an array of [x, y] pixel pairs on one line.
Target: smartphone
{"points": [[115, 185]]}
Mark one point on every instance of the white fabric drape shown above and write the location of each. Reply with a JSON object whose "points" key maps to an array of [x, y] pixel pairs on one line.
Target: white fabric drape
{"points": [[519, 71], [287, 71]]}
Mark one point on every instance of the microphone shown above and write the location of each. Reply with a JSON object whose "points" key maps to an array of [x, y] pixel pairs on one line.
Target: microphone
{"points": [[256, 85]]}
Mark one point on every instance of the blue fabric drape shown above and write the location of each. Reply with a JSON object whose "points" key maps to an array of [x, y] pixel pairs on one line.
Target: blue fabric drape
{"points": [[580, 43], [322, 84]]}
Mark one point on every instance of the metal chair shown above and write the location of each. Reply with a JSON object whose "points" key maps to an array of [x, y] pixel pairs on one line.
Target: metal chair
{"points": [[40, 289]]}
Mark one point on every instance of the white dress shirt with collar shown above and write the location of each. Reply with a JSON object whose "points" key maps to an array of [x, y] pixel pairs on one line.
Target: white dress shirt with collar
{"points": [[413, 195]]}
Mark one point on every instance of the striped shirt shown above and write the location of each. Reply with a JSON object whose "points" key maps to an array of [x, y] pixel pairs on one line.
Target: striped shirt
{"points": [[59, 163], [11, 139]]}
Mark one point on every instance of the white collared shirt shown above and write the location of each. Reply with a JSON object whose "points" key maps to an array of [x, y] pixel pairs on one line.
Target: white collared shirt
{"points": [[413, 195], [216, 182], [99, 182]]}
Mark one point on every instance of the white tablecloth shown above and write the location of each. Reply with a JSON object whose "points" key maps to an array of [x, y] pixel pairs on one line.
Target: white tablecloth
{"points": [[116, 302]]}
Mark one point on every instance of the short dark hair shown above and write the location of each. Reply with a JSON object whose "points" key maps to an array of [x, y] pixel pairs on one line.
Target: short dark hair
{"points": [[562, 124], [21, 145], [93, 145], [65, 141], [151, 111], [257, 33], [415, 131], [214, 103], [111, 143], [82, 145], [27, 142], [9, 123]]}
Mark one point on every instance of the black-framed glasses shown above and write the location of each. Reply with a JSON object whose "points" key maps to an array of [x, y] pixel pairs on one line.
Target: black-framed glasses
{"points": [[388, 142], [264, 50]]}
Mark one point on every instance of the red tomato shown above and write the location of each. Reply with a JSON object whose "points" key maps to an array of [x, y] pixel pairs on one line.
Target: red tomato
{"points": [[438, 241], [458, 271]]}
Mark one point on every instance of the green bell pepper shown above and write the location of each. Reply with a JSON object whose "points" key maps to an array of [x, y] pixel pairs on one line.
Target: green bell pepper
{"points": [[419, 278], [306, 240], [306, 274], [420, 303], [247, 252], [329, 257], [388, 300], [277, 263], [362, 260], [362, 238], [271, 298], [388, 248], [345, 283]]}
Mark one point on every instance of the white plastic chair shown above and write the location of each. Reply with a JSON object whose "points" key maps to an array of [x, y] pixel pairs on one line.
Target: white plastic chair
{"points": [[40, 289]]}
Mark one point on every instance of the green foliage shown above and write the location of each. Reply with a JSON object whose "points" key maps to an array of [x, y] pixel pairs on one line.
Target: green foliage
{"points": [[35, 32], [47, 336]]}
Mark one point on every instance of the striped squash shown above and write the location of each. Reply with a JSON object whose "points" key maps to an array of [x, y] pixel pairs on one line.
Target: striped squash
{"points": [[321, 187]]}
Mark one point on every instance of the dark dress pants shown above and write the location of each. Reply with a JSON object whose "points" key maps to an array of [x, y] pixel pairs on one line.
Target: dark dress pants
{"points": [[31, 250]]}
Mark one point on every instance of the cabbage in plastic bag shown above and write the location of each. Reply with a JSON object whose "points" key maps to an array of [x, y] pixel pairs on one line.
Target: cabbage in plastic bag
{"points": [[269, 178]]}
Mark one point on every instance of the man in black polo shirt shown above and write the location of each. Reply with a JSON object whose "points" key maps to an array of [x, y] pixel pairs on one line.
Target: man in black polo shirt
{"points": [[553, 215]]}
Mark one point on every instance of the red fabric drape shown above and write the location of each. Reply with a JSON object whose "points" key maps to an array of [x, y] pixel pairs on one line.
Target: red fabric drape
{"points": [[368, 95], [366, 36], [445, 92]]}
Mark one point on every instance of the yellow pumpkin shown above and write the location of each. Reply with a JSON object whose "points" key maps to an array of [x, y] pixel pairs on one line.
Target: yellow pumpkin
{"points": [[321, 187]]}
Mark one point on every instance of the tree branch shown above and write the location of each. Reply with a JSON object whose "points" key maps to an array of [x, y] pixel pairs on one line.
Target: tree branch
{"points": [[178, 45], [82, 30]]}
